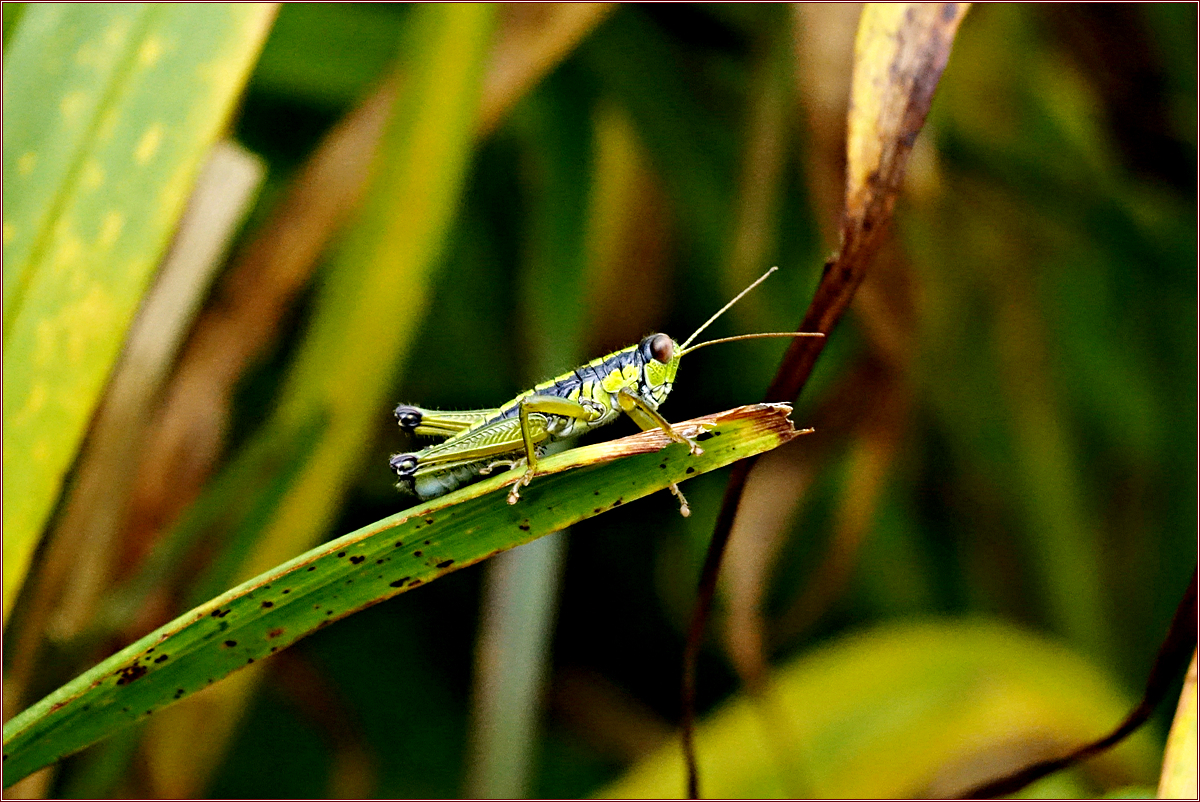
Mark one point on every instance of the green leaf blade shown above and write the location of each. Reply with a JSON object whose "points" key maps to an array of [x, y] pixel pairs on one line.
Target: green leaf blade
{"points": [[368, 566], [110, 113]]}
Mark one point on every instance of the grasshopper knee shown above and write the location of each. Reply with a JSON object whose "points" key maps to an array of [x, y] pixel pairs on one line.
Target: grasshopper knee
{"points": [[404, 464], [408, 417]]}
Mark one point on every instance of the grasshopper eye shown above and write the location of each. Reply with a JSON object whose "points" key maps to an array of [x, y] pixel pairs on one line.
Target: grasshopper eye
{"points": [[403, 464], [408, 417], [661, 348]]}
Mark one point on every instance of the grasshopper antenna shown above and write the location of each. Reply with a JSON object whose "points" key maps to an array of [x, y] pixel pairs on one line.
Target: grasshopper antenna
{"points": [[683, 349], [725, 308], [752, 337]]}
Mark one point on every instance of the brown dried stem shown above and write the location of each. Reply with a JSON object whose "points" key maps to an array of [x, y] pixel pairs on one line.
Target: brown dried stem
{"points": [[900, 53]]}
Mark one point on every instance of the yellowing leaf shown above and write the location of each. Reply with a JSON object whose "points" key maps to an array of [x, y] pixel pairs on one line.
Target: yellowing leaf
{"points": [[109, 112]]}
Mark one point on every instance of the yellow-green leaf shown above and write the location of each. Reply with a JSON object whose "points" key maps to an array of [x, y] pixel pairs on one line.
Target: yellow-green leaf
{"points": [[109, 111], [1179, 763], [925, 709]]}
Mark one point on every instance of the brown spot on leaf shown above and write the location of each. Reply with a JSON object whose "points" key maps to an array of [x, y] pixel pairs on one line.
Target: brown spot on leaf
{"points": [[131, 672]]}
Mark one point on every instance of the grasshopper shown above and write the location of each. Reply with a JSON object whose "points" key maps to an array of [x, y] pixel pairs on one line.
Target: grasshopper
{"points": [[633, 381]]}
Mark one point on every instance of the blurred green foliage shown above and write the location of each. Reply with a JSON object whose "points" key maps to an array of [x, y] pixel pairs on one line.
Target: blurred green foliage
{"points": [[1031, 337]]}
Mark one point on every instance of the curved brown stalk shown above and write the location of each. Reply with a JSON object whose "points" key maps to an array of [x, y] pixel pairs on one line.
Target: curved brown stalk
{"points": [[1173, 656], [900, 53]]}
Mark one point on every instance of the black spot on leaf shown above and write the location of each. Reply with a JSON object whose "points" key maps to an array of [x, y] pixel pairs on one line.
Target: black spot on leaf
{"points": [[131, 672]]}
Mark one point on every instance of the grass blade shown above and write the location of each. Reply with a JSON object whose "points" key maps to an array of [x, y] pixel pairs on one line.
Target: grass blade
{"points": [[386, 263], [109, 112], [406, 550]]}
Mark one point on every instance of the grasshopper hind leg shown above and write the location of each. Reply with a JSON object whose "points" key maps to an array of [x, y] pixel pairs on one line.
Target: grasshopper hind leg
{"points": [[432, 423]]}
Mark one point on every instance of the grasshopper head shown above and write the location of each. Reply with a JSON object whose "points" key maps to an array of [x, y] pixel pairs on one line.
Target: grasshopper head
{"points": [[660, 360]]}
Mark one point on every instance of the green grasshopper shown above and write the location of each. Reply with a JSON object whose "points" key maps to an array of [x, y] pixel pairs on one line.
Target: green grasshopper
{"points": [[633, 381]]}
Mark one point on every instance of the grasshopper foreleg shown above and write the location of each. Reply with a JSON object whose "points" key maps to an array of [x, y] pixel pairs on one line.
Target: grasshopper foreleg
{"points": [[646, 417]]}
